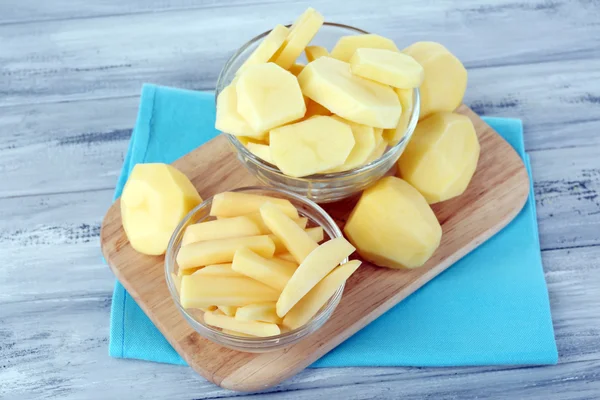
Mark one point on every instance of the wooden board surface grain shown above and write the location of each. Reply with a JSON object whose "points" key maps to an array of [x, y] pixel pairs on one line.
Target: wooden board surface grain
{"points": [[494, 197]]}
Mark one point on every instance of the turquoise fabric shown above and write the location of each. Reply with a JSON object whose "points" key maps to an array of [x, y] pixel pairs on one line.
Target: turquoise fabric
{"points": [[491, 307]]}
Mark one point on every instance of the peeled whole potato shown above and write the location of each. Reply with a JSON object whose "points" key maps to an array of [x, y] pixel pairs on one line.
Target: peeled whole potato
{"points": [[268, 96], [155, 199], [445, 77], [441, 157], [330, 82], [393, 226]]}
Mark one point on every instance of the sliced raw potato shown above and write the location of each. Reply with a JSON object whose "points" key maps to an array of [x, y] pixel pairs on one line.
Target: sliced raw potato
{"points": [[364, 138], [316, 298], [267, 48], [218, 270], [393, 136], [234, 333], [268, 96], [347, 45], [228, 119], [155, 199], [330, 82], [206, 290], [261, 151], [286, 257], [228, 310], [301, 33], [378, 150], [445, 77], [315, 233], [222, 250], [312, 146], [296, 240], [314, 268], [388, 67], [313, 108], [176, 281], [264, 229], [441, 157], [220, 229], [314, 52], [264, 312], [272, 272], [393, 226], [296, 68], [181, 272], [211, 308], [254, 328], [233, 204]]}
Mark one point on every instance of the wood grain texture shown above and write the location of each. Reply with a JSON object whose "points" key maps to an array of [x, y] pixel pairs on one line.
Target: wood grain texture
{"points": [[494, 197], [66, 74]]}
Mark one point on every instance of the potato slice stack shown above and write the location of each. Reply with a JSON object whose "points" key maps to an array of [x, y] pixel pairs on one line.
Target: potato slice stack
{"points": [[338, 112], [256, 269]]}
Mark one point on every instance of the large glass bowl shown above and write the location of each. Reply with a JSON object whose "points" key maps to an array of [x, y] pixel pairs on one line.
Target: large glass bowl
{"points": [[321, 188], [306, 208]]}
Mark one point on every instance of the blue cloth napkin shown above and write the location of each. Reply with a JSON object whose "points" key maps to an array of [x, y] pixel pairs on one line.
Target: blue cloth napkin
{"points": [[491, 307]]}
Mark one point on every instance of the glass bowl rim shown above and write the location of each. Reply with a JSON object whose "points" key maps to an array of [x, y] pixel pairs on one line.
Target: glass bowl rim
{"points": [[319, 319], [389, 153]]}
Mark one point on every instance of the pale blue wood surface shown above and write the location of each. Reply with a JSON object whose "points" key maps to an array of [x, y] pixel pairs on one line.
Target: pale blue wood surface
{"points": [[70, 74]]}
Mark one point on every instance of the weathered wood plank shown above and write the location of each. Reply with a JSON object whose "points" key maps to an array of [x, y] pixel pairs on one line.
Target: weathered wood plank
{"points": [[83, 58]]}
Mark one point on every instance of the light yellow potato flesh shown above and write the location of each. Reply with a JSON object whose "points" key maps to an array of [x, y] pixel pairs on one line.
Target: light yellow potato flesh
{"points": [[218, 270], [364, 145], [316, 298], [222, 250], [273, 273], [393, 226], [254, 328], [268, 96], [393, 136], [301, 33], [445, 77], [441, 157], [312, 146], [206, 290], [264, 229], [228, 310], [229, 120], [155, 199], [330, 82], [314, 52], [313, 108], [267, 48], [296, 240], [261, 151], [296, 68], [263, 312], [347, 45], [220, 229], [315, 233], [286, 257], [233, 204], [314, 268], [388, 67], [234, 333]]}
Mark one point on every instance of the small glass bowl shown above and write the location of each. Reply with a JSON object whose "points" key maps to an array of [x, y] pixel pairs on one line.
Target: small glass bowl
{"points": [[306, 208], [321, 188]]}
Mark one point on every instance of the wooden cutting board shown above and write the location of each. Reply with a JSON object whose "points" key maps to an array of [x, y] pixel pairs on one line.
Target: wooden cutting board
{"points": [[495, 196]]}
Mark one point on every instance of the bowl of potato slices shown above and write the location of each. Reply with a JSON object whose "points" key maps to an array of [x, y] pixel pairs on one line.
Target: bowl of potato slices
{"points": [[320, 109], [257, 269]]}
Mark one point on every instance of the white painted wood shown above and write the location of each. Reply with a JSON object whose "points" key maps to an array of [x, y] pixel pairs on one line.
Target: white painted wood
{"points": [[70, 74]]}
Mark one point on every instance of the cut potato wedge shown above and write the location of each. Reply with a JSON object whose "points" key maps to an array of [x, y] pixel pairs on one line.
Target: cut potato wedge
{"points": [[267, 48], [263, 312], [296, 68], [347, 45], [220, 229], [261, 151], [393, 136], [314, 268], [268, 96], [233, 204], [228, 310], [364, 138], [296, 240], [301, 33], [313, 108], [254, 328], [229, 120], [316, 298], [330, 82], [272, 272], [206, 290], [312, 146], [264, 230], [314, 52], [221, 251], [286, 257], [218, 270], [388, 67]]}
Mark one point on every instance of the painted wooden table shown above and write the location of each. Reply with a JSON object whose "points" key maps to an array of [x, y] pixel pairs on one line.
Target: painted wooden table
{"points": [[70, 76]]}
